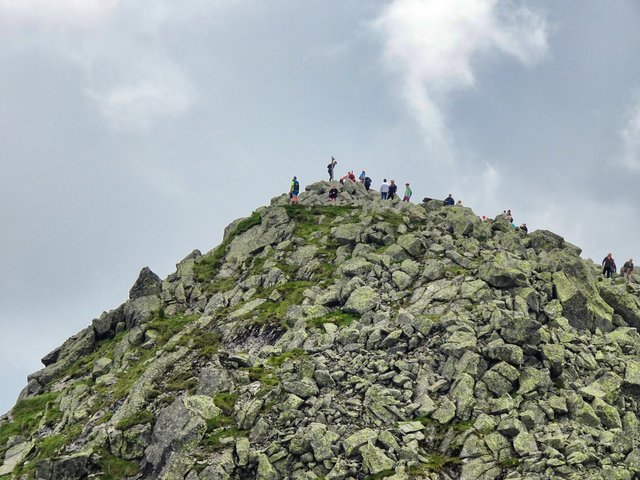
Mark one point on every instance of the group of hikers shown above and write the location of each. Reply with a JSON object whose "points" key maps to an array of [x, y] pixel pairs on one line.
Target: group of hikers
{"points": [[388, 191], [609, 267]]}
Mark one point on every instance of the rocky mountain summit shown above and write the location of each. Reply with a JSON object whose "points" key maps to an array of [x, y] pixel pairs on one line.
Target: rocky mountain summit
{"points": [[364, 339]]}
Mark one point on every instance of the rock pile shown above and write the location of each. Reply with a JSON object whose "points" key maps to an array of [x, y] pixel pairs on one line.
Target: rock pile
{"points": [[366, 339]]}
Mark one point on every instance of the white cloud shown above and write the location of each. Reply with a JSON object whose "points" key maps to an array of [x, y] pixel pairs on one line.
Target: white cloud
{"points": [[144, 95], [56, 13], [630, 136], [435, 46]]}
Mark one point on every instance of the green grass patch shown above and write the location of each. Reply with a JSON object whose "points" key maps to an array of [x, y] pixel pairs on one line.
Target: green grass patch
{"points": [[84, 365], [168, 327], [341, 319], [207, 266], [115, 468], [225, 402], [128, 377], [273, 312], [182, 381], [139, 418], [392, 218], [278, 360], [222, 426], [307, 218], [27, 415], [509, 463], [206, 342], [265, 376]]}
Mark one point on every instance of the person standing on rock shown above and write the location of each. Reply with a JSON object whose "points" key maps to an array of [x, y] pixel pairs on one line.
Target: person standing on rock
{"points": [[393, 188], [609, 266], [384, 189], [367, 183], [362, 176], [331, 167], [407, 193], [449, 201], [294, 190], [627, 270]]}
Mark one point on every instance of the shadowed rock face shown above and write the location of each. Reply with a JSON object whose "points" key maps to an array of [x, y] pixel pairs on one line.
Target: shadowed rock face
{"points": [[361, 339]]}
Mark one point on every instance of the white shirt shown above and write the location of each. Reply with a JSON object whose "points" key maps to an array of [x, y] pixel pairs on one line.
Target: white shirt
{"points": [[384, 188]]}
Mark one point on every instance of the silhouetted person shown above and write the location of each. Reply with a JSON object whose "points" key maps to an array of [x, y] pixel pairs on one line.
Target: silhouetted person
{"points": [[627, 270], [331, 167], [609, 266], [393, 188], [294, 190], [449, 201]]}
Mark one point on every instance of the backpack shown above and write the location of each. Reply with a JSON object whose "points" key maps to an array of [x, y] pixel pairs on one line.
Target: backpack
{"points": [[296, 186]]}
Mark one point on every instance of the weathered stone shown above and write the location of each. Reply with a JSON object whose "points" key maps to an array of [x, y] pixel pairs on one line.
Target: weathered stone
{"points": [[353, 442], [374, 459], [362, 300]]}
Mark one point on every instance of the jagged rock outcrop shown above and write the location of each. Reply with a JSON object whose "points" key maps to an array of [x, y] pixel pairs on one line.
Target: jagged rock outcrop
{"points": [[361, 339]]}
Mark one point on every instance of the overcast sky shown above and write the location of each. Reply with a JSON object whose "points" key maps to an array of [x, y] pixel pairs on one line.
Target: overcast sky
{"points": [[134, 131]]}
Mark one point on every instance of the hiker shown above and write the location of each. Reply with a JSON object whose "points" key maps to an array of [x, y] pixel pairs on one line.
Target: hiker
{"points": [[331, 167], [367, 183], [449, 201], [627, 270], [384, 189], [362, 176], [393, 188], [407, 193], [348, 176], [508, 216], [524, 228], [459, 203], [609, 266], [333, 194], [294, 190]]}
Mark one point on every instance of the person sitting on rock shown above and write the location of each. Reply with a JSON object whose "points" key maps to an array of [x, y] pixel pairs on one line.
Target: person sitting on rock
{"points": [[294, 190], [524, 228], [407, 193], [459, 203], [362, 176], [393, 188], [367, 183], [627, 270], [351, 176], [609, 266], [449, 201], [384, 189], [333, 194], [508, 217]]}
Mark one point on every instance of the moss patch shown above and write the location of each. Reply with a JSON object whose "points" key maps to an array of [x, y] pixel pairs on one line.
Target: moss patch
{"points": [[115, 468], [225, 402], [139, 418]]}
